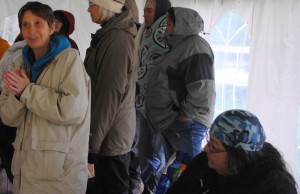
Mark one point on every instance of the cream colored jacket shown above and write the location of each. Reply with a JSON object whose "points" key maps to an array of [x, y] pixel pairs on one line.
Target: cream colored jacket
{"points": [[53, 117]]}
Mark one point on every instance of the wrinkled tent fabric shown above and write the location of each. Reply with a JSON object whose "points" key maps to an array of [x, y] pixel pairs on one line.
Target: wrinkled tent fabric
{"points": [[274, 77]]}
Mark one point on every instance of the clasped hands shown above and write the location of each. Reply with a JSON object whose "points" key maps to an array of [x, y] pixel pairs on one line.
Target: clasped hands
{"points": [[16, 81]]}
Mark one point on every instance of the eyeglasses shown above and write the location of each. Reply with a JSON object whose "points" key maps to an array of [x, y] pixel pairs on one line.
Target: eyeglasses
{"points": [[91, 4], [210, 146]]}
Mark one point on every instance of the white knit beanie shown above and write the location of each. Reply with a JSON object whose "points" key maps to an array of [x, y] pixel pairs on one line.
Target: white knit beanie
{"points": [[111, 5]]}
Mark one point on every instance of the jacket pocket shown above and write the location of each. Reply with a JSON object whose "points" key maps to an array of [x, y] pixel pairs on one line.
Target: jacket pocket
{"points": [[46, 160]]}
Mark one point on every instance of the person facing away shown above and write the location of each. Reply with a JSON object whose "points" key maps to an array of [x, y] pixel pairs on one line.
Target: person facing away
{"points": [[5, 148], [151, 44], [235, 160], [4, 45], [8, 134], [111, 63], [10, 56], [184, 82], [65, 25], [47, 97]]}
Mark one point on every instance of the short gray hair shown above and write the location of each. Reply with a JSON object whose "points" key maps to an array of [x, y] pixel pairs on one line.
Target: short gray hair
{"points": [[105, 14]]}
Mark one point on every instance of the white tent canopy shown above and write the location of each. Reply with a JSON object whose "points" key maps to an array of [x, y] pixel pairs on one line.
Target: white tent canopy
{"points": [[274, 78]]}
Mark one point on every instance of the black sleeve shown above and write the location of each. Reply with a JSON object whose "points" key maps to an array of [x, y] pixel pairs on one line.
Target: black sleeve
{"points": [[92, 158], [197, 178]]}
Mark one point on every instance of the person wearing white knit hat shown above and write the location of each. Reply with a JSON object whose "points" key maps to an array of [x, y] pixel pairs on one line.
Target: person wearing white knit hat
{"points": [[111, 63], [111, 5]]}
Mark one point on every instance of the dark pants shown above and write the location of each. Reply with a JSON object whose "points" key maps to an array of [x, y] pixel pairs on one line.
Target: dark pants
{"points": [[150, 153], [135, 180], [112, 174], [7, 137]]}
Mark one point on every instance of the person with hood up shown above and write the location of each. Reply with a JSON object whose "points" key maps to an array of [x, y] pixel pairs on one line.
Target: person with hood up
{"points": [[235, 160], [65, 25], [111, 63], [151, 44], [183, 81], [47, 97]]}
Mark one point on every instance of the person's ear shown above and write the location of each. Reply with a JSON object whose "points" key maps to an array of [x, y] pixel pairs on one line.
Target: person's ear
{"points": [[52, 28]]}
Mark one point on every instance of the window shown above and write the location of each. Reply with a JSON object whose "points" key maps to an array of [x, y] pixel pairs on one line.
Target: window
{"points": [[231, 46]]}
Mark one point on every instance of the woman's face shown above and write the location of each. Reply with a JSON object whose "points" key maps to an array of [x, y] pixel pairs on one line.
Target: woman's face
{"points": [[93, 9], [36, 32], [58, 25], [149, 14], [217, 155]]}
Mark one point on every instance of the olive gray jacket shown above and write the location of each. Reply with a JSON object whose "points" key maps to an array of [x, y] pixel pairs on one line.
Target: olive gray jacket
{"points": [[111, 64]]}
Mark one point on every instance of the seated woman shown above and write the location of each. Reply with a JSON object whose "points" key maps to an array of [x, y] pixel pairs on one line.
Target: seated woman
{"points": [[236, 160]]}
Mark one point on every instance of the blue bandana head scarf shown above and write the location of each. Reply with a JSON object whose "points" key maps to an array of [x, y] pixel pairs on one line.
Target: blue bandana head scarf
{"points": [[240, 129]]}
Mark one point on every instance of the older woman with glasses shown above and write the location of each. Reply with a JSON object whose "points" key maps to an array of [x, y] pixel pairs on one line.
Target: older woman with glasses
{"points": [[236, 160], [111, 63]]}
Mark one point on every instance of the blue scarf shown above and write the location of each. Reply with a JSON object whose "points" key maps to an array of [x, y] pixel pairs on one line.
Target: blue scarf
{"points": [[57, 44]]}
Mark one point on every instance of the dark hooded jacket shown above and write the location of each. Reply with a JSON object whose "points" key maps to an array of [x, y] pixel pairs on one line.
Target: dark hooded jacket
{"points": [[68, 27], [183, 80], [161, 8]]}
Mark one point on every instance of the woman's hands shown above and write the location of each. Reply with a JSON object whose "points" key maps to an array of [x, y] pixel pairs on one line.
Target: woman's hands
{"points": [[16, 82]]}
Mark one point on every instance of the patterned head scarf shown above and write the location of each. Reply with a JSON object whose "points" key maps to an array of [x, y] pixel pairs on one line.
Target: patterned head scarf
{"points": [[240, 129]]}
